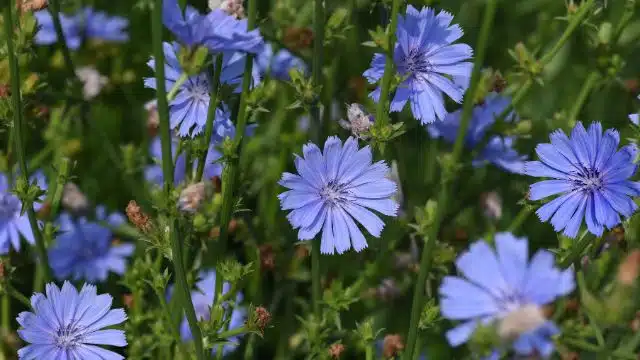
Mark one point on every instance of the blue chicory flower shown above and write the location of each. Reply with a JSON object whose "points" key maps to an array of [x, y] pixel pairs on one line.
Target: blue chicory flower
{"points": [[494, 285], [279, 64], [86, 23], [499, 149], [334, 187], [12, 223], [202, 300], [188, 110], [217, 30], [67, 325], [428, 62], [84, 249], [591, 176]]}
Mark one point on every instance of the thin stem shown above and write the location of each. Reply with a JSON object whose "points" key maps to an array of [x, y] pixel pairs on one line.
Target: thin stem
{"points": [[166, 314], [520, 218], [184, 301], [582, 285], [18, 137], [316, 66], [176, 86], [54, 7], [588, 85], [369, 352], [443, 198], [576, 250], [17, 295], [59, 187], [211, 115], [315, 276], [230, 171], [382, 110]]}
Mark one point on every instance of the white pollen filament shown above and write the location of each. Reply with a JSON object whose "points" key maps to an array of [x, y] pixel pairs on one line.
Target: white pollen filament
{"points": [[521, 320]]}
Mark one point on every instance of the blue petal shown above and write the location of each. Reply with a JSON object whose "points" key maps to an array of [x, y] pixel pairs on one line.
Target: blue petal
{"points": [[545, 188]]}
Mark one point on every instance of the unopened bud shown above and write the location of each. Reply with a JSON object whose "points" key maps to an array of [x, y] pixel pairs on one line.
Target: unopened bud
{"points": [[192, 197], [128, 301], [137, 217], [491, 204], [32, 5], [231, 7], [524, 319], [153, 119], [73, 199], [359, 121], [301, 252], [92, 81], [217, 184], [628, 270], [267, 257], [263, 317], [336, 350], [499, 83], [392, 345]]}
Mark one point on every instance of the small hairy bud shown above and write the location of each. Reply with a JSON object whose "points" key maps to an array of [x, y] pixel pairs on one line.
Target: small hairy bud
{"points": [[231, 7], [629, 269], [392, 345], [359, 120], [263, 317], [73, 199], [267, 257], [336, 350], [526, 318], [192, 196], [92, 81], [153, 119], [491, 203], [138, 217], [32, 5]]}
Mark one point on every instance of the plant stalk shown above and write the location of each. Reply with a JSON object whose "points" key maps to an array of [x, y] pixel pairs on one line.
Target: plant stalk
{"points": [[443, 198], [382, 110], [182, 286], [211, 115], [589, 84], [18, 137], [54, 7]]}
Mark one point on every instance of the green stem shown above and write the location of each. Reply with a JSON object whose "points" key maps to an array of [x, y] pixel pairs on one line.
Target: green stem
{"points": [[54, 7], [59, 187], [576, 250], [575, 21], [382, 109], [582, 285], [233, 332], [230, 171], [520, 218], [174, 330], [176, 86], [443, 198], [315, 276], [211, 115], [182, 287], [316, 66], [588, 85], [18, 127], [18, 295], [369, 352]]}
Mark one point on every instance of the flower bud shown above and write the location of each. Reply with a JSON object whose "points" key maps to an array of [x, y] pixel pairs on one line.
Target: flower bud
{"points": [[267, 257], [137, 217], [32, 5], [263, 317], [5, 91], [92, 81], [336, 350], [73, 199], [387, 290], [491, 203], [192, 197], [231, 7], [153, 119], [359, 121], [392, 346]]}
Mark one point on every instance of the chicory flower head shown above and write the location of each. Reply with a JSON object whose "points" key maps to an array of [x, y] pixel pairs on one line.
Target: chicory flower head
{"points": [[12, 222], [499, 149], [429, 62], [591, 177], [334, 187], [84, 249], [218, 31], [68, 325], [188, 110], [505, 286], [279, 64], [87, 23]]}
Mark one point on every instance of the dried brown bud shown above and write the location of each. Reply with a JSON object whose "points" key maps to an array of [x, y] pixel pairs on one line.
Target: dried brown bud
{"points": [[5, 91], [499, 83], [137, 217], [297, 38], [263, 317], [2, 270], [153, 119], [45, 210], [392, 345], [573, 305], [217, 184], [73, 199], [128, 301], [570, 356], [32, 5], [233, 226], [387, 290], [631, 85], [635, 323], [41, 111], [336, 350], [628, 270], [491, 204], [301, 252], [192, 197], [267, 257], [358, 85]]}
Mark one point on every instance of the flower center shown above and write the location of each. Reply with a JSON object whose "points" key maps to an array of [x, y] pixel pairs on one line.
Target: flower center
{"points": [[199, 90], [68, 336], [9, 206], [415, 63], [588, 180], [333, 193]]}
